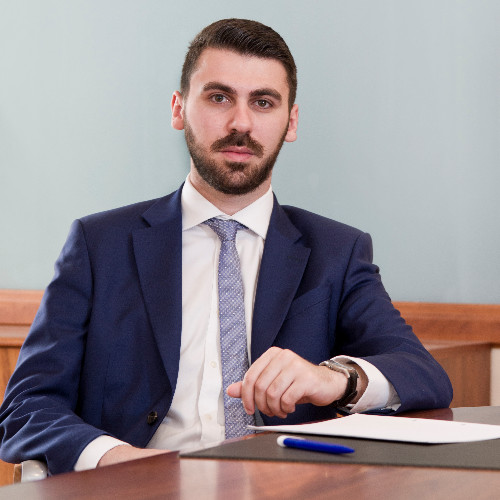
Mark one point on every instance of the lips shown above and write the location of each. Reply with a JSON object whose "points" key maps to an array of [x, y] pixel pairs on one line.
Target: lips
{"points": [[236, 149], [235, 153], [238, 146]]}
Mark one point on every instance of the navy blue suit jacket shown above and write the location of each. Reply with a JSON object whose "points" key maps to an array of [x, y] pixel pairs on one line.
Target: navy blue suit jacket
{"points": [[103, 352]]}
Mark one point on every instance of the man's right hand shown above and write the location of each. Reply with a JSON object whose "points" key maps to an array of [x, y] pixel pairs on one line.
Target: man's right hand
{"points": [[125, 452], [280, 379]]}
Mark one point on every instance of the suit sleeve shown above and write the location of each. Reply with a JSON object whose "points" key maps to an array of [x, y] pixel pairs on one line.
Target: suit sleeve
{"points": [[369, 327], [39, 415]]}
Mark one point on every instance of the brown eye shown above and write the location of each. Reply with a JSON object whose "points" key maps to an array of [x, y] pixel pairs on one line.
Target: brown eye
{"points": [[218, 98], [262, 103]]}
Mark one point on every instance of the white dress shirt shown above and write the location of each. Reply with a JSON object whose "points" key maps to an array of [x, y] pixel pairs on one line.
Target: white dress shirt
{"points": [[196, 416]]}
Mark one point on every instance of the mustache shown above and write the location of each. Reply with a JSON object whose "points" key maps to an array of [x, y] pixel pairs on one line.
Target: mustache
{"points": [[238, 139]]}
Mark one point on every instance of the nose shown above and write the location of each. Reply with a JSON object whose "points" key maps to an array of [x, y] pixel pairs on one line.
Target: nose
{"points": [[241, 119]]}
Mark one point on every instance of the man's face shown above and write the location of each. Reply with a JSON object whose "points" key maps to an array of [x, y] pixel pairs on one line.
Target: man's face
{"points": [[235, 118]]}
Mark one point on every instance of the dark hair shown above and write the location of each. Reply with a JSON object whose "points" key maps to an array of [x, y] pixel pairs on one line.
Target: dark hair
{"points": [[244, 37]]}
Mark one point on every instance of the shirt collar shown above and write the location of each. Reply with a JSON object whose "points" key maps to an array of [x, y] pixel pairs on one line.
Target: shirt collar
{"points": [[197, 209]]}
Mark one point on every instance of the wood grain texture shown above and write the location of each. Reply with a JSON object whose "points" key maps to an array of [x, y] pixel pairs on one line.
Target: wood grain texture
{"points": [[13, 335], [452, 321], [167, 476], [468, 364], [17, 311], [429, 320], [18, 307], [8, 359]]}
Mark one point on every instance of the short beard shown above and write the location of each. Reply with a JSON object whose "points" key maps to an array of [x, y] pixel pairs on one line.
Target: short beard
{"points": [[222, 177]]}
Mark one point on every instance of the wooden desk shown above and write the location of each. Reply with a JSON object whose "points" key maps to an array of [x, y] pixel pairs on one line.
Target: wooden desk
{"points": [[167, 476]]}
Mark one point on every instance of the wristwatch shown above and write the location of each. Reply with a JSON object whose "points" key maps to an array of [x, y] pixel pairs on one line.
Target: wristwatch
{"points": [[352, 380]]}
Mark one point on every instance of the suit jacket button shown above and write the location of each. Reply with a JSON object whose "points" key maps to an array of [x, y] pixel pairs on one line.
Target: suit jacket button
{"points": [[152, 417]]}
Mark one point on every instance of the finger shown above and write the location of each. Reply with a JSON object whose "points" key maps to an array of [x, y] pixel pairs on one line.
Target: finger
{"points": [[292, 396], [251, 377], [288, 387], [268, 389], [234, 390], [275, 394], [298, 382], [274, 380]]}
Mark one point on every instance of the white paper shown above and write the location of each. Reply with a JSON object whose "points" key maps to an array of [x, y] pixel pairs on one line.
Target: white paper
{"points": [[411, 430]]}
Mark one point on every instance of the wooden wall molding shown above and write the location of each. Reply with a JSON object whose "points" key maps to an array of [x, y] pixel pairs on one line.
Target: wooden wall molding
{"points": [[18, 307], [430, 320], [443, 321]]}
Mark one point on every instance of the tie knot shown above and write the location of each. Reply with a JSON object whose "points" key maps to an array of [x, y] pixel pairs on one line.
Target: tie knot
{"points": [[225, 229]]}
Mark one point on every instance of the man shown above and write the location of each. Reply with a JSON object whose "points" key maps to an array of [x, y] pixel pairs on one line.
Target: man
{"points": [[124, 357]]}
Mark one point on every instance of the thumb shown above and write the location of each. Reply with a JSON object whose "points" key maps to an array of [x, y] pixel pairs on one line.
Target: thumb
{"points": [[234, 390]]}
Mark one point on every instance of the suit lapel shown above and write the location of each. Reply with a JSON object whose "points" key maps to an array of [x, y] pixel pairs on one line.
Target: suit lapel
{"points": [[158, 254], [283, 262]]}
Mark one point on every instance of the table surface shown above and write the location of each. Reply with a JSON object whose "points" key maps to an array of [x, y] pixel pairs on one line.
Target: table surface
{"points": [[168, 476]]}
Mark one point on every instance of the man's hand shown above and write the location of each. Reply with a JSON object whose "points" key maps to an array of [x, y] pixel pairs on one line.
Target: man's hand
{"points": [[280, 379], [125, 452]]}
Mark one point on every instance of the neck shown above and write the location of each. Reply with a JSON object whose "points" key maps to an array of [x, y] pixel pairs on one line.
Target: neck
{"points": [[227, 203]]}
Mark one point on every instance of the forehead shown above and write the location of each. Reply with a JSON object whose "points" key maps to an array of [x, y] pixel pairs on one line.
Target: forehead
{"points": [[239, 71]]}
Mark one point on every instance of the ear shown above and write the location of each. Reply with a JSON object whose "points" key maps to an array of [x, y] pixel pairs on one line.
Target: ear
{"points": [[177, 106], [293, 123]]}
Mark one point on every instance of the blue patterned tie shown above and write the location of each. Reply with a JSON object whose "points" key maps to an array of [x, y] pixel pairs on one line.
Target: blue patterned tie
{"points": [[233, 335]]}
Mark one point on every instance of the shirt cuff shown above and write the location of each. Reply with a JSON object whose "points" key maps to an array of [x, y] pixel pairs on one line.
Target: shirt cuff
{"points": [[379, 392], [94, 451]]}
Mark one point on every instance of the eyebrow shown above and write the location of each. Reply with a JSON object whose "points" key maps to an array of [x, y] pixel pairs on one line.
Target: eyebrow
{"points": [[218, 86], [231, 90], [266, 91]]}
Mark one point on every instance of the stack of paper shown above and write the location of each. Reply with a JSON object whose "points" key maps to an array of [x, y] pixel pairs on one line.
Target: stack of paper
{"points": [[411, 430]]}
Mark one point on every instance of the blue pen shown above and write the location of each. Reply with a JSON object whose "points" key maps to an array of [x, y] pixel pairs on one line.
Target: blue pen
{"points": [[306, 444]]}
